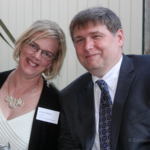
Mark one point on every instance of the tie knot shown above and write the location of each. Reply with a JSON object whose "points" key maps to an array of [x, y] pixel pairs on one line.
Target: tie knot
{"points": [[102, 84]]}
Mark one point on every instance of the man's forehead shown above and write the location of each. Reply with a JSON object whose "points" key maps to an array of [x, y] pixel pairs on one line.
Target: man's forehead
{"points": [[87, 26]]}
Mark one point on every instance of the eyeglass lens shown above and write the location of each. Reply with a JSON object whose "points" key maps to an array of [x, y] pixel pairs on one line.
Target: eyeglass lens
{"points": [[45, 54]]}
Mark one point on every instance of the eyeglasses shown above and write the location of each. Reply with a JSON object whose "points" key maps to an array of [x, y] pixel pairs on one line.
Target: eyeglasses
{"points": [[35, 47]]}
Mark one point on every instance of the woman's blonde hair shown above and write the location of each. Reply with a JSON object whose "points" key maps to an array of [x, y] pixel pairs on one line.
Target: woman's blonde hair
{"points": [[46, 29]]}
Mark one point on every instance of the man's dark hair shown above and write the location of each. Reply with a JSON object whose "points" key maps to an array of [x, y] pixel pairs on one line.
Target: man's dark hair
{"points": [[95, 15]]}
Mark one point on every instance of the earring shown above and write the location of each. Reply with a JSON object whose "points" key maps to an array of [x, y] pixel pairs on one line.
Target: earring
{"points": [[48, 84]]}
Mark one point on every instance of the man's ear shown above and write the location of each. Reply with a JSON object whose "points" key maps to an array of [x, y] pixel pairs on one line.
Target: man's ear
{"points": [[120, 37]]}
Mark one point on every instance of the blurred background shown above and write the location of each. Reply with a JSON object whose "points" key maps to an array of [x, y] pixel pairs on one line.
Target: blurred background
{"points": [[17, 15]]}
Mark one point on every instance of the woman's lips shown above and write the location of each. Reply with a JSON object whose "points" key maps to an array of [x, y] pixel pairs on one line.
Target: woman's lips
{"points": [[32, 63]]}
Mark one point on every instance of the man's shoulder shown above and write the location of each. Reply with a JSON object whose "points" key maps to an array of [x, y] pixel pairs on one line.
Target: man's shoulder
{"points": [[141, 58], [79, 83], [141, 63]]}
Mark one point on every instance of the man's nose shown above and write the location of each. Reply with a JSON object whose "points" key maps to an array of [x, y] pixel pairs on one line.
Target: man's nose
{"points": [[88, 44]]}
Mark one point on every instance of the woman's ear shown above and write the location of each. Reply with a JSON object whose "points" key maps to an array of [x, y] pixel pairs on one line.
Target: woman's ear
{"points": [[20, 49], [19, 53]]}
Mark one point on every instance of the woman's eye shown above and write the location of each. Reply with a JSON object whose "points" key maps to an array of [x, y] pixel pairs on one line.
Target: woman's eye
{"points": [[32, 45], [46, 54]]}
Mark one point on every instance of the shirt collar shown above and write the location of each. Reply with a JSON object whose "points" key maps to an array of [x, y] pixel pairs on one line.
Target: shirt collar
{"points": [[111, 77]]}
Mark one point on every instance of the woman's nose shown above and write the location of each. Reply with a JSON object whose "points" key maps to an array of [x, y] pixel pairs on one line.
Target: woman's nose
{"points": [[37, 54]]}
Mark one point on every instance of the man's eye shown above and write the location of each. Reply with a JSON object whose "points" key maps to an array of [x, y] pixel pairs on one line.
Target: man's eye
{"points": [[78, 41], [96, 36]]}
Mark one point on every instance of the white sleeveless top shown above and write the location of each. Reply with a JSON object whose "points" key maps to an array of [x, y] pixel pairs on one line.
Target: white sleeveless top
{"points": [[17, 131]]}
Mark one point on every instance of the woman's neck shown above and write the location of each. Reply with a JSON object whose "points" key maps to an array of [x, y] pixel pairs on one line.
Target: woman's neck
{"points": [[22, 82]]}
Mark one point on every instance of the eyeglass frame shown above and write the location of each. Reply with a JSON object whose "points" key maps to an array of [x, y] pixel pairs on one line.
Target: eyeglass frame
{"points": [[28, 41]]}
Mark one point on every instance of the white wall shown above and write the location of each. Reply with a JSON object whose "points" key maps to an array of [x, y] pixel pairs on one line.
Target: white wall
{"points": [[17, 15]]}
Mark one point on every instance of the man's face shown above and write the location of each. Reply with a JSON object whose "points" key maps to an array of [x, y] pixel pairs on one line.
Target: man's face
{"points": [[97, 49]]}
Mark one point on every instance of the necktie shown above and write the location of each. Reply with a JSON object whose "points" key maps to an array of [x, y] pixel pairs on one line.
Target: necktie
{"points": [[105, 116]]}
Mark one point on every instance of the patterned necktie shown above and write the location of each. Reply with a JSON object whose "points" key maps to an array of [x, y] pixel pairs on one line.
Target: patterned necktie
{"points": [[105, 116]]}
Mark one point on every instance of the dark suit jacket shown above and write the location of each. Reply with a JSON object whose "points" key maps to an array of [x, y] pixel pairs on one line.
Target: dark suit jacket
{"points": [[130, 115], [44, 135]]}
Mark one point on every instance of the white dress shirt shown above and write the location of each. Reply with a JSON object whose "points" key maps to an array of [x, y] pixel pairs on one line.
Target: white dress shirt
{"points": [[111, 78]]}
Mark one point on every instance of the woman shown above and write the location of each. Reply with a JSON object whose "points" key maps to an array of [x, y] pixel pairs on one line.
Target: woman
{"points": [[29, 107]]}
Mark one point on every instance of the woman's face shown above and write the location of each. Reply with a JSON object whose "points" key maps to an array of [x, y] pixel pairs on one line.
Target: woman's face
{"points": [[32, 63]]}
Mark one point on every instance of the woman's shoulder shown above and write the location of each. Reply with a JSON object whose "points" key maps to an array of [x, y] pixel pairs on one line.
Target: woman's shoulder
{"points": [[50, 87], [5, 73], [3, 76], [50, 96]]}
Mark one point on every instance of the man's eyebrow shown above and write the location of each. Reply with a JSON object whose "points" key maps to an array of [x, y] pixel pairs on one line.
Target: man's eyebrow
{"points": [[96, 32], [77, 37], [91, 33]]}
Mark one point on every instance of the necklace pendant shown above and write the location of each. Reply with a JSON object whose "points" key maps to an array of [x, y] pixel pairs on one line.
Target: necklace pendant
{"points": [[13, 103], [20, 102], [8, 98]]}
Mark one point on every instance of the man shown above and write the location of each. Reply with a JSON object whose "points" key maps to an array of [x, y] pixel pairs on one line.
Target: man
{"points": [[108, 107]]}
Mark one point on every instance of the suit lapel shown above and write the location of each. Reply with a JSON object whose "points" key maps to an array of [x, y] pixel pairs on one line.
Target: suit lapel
{"points": [[125, 80], [87, 114]]}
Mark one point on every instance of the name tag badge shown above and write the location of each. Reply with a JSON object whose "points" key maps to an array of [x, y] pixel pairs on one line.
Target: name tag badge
{"points": [[47, 115]]}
